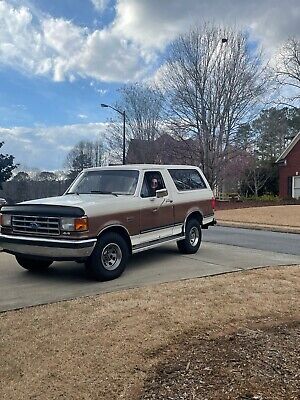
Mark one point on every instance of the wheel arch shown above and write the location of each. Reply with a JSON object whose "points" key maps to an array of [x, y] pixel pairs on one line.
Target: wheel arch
{"points": [[193, 214], [121, 230]]}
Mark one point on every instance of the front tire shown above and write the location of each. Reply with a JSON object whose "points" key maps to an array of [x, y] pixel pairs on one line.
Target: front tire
{"points": [[109, 257], [193, 236], [32, 264]]}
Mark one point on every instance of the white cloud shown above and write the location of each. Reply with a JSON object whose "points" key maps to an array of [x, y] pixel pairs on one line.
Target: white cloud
{"points": [[108, 57], [46, 147], [101, 91], [127, 48], [154, 23], [100, 5], [82, 116], [62, 50], [21, 46]]}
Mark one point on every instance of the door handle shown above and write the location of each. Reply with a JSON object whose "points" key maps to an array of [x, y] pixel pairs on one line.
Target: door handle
{"points": [[169, 201], [155, 210]]}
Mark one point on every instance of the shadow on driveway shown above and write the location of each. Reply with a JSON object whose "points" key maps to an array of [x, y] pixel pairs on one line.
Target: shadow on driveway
{"points": [[63, 272]]}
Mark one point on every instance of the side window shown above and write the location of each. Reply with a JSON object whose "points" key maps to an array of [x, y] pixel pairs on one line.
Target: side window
{"points": [[153, 181], [187, 179]]}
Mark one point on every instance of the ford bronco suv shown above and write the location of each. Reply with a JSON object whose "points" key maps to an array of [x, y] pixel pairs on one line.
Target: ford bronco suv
{"points": [[109, 213]]}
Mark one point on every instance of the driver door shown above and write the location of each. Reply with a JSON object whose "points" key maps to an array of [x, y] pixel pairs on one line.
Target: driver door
{"points": [[156, 214]]}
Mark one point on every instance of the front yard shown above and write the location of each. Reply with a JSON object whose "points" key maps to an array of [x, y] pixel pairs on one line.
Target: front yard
{"points": [[234, 336], [284, 216]]}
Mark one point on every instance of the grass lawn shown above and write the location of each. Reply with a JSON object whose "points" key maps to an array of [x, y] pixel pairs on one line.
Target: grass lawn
{"points": [[143, 343], [287, 215]]}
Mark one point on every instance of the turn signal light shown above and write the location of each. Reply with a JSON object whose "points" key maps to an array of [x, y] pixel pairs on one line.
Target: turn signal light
{"points": [[74, 224], [81, 224]]}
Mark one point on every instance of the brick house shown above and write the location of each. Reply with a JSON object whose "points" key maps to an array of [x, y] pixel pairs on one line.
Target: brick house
{"points": [[289, 170], [164, 150]]}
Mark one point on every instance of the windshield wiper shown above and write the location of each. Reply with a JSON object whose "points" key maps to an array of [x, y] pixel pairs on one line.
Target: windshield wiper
{"points": [[94, 192], [102, 192]]}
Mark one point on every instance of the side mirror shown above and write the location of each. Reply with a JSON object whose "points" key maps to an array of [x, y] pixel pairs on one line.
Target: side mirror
{"points": [[161, 193]]}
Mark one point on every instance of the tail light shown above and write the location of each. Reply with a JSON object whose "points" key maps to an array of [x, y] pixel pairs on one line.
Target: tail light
{"points": [[213, 203]]}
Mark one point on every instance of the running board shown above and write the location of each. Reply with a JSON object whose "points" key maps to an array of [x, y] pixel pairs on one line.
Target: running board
{"points": [[154, 243]]}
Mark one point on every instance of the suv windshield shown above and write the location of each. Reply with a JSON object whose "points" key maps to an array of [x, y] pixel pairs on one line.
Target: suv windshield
{"points": [[106, 182]]}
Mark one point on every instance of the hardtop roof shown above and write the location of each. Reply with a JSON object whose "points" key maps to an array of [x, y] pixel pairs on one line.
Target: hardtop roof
{"points": [[140, 167]]}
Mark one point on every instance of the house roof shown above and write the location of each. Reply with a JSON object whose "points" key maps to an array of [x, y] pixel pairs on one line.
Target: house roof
{"points": [[289, 148]]}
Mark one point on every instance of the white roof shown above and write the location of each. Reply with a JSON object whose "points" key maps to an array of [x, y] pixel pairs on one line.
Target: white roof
{"points": [[141, 167], [289, 147]]}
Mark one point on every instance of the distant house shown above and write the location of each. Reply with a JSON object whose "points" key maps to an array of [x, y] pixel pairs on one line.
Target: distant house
{"points": [[289, 170], [164, 150]]}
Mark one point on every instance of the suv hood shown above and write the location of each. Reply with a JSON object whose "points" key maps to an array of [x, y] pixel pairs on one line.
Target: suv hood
{"points": [[92, 204], [82, 200]]}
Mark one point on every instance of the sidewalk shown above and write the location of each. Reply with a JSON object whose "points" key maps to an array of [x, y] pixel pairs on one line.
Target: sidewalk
{"points": [[264, 227]]}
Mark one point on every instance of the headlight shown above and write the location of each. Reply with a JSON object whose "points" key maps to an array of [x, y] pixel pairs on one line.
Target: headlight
{"points": [[74, 224], [5, 220]]}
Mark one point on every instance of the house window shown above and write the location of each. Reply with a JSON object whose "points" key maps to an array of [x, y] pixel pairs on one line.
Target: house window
{"points": [[187, 179]]}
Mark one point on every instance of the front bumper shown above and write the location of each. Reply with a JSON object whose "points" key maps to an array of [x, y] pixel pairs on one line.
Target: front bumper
{"points": [[53, 249]]}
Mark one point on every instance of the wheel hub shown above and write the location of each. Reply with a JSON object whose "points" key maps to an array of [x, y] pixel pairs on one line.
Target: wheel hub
{"points": [[111, 256], [194, 236]]}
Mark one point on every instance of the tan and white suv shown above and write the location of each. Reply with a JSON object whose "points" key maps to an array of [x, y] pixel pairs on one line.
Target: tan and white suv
{"points": [[108, 214]]}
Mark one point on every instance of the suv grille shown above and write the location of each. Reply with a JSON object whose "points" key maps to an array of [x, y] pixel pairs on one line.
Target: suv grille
{"points": [[36, 225]]}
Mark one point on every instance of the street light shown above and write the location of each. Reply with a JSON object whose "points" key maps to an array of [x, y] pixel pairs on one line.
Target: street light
{"points": [[124, 121]]}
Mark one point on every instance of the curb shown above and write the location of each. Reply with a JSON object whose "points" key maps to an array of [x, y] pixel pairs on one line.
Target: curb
{"points": [[259, 227], [130, 288]]}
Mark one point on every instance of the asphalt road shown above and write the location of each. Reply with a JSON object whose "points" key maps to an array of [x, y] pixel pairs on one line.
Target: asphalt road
{"points": [[223, 250], [288, 243]]}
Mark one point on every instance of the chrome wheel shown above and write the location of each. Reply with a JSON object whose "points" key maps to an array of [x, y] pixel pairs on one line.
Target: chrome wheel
{"points": [[111, 256], [194, 236]]}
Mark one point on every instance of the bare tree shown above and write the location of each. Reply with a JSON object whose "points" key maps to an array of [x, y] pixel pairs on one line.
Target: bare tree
{"points": [[21, 176], [84, 154], [288, 69], [144, 117], [46, 176], [213, 81], [256, 176], [236, 171]]}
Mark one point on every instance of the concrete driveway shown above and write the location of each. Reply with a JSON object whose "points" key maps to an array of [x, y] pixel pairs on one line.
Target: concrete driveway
{"points": [[67, 280]]}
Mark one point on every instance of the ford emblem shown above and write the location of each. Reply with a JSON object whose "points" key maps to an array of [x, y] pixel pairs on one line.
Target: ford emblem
{"points": [[34, 225]]}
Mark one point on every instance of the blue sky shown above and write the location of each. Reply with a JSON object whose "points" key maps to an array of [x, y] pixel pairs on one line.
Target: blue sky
{"points": [[59, 59], [26, 100]]}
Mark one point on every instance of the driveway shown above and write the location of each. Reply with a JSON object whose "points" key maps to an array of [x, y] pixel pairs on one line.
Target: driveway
{"points": [[67, 280]]}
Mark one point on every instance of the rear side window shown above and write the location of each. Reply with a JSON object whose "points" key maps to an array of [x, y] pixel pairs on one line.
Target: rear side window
{"points": [[187, 179]]}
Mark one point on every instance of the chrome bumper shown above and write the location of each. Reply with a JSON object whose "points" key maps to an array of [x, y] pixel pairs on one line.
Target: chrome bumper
{"points": [[47, 248]]}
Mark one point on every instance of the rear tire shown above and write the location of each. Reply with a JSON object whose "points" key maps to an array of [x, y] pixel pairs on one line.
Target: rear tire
{"points": [[193, 236], [32, 264], [109, 258]]}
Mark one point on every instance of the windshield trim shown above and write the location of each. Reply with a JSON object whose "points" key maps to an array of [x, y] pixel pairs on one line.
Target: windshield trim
{"points": [[87, 171]]}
